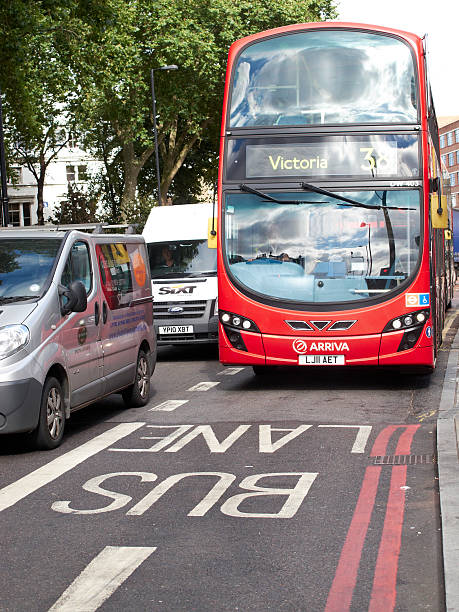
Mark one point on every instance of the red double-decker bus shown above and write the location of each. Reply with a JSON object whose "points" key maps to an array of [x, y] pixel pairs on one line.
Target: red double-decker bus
{"points": [[335, 242]]}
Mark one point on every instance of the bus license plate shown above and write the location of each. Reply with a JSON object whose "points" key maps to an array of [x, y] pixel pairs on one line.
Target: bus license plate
{"points": [[175, 329], [321, 360]]}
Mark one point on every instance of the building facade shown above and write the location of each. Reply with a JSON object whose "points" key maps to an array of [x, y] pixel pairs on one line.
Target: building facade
{"points": [[449, 150], [72, 165]]}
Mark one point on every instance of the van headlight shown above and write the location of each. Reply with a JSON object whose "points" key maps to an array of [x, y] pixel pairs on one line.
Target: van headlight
{"points": [[12, 339]]}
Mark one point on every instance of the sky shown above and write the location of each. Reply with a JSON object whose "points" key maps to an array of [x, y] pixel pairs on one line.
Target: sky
{"points": [[438, 19]]}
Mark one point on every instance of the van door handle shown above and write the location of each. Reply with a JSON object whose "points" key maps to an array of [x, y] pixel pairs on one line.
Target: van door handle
{"points": [[97, 313], [104, 312]]}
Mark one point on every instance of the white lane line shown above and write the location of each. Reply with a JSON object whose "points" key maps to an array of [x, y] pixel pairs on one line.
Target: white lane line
{"points": [[100, 579], [230, 371], [30, 483], [361, 438], [169, 405], [203, 386]]}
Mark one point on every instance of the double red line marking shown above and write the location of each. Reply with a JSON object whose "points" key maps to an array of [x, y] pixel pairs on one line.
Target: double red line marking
{"points": [[384, 591]]}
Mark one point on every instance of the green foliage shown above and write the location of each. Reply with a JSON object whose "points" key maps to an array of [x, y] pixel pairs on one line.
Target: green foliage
{"points": [[37, 82], [121, 41], [137, 212], [89, 61], [80, 207]]}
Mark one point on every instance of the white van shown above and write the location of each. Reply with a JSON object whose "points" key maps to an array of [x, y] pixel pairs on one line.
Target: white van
{"points": [[76, 324], [183, 264]]}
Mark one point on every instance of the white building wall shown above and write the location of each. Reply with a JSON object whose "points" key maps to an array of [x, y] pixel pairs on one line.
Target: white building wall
{"points": [[23, 195]]}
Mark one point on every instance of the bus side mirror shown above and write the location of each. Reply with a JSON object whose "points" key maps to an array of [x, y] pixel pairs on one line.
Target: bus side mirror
{"points": [[212, 233], [434, 184], [438, 211]]}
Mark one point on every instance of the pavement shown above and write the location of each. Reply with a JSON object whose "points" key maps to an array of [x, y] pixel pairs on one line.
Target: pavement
{"points": [[448, 474]]}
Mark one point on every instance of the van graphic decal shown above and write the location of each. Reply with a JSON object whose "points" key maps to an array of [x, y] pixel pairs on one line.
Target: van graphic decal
{"points": [[140, 272]]}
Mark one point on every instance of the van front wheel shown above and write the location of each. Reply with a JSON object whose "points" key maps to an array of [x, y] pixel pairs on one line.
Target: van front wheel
{"points": [[138, 394], [51, 421]]}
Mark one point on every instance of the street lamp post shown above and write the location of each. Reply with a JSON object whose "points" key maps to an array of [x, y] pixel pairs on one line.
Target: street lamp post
{"points": [[155, 129], [4, 198]]}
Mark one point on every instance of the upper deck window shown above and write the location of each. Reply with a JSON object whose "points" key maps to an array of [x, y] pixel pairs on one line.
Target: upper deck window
{"points": [[324, 77]]}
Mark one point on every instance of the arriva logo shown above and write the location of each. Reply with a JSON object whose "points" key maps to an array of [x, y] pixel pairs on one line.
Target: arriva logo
{"points": [[329, 346], [299, 346]]}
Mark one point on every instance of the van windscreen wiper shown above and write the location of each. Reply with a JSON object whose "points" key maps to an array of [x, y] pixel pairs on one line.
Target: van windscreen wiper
{"points": [[269, 198], [349, 201], [17, 298]]}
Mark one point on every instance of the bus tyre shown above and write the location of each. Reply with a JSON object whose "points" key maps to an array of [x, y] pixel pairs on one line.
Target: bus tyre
{"points": [[263, 370], [51, 420], [138, 394]]}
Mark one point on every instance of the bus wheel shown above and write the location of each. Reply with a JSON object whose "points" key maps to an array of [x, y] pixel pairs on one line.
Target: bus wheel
{"points": [[138, 394], [263, 370], [51, 421]]}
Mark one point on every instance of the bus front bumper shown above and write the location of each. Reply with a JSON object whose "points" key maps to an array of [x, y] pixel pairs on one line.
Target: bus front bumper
{"points": [[375, 349]]}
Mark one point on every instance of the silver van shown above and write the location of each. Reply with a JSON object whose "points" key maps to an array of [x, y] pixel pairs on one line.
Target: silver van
{"points": [[76, 324]]}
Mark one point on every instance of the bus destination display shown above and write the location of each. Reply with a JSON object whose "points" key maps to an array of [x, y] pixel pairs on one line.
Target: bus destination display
{"points": [[377, 156]]}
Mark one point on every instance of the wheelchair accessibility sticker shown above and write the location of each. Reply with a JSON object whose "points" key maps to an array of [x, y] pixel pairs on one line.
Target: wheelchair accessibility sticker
{"points": [[417, 299], [429, 332]]}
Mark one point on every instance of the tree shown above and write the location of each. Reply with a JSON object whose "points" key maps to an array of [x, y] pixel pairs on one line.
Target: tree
{"points": [[119, 42], [37, 122], [80, 207]]}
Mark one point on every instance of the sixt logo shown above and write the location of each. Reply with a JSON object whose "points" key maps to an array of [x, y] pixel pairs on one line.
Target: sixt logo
{"points": [[175, 289]]}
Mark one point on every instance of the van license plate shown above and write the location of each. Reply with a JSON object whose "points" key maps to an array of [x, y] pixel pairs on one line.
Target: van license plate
{"points": [[175, 329], [321, 360]]}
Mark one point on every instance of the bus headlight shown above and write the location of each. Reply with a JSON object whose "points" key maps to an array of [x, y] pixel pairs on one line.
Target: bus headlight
{"points": [[12, 339], [411, 324], [411, 319], [236, 321]]}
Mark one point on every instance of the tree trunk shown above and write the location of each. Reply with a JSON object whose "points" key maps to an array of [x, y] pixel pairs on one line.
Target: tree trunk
{"points": [[132, 167], [40, 187], [174, 154], [172, 163]]}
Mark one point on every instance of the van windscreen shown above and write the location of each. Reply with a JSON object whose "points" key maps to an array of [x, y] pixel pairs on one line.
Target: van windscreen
{"points": [[181, 258], [25, 266]]}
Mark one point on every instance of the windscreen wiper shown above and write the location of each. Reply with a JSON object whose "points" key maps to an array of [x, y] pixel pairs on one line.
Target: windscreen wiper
{"points": [[203, 273], [269, 198], [349, 201], [17, 298]]}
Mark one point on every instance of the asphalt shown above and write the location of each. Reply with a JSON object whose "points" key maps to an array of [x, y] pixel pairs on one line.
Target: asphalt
{"points": [[448, 473]]}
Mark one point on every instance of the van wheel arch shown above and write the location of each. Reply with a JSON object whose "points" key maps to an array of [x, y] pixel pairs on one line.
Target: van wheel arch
{"points": [[58, 372], [145, 347], [137, 394]]}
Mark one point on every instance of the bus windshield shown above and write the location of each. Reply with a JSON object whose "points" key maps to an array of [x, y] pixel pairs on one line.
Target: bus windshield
{"points": [[25, 266], [324, 250], [181, 258], [324, 77]]}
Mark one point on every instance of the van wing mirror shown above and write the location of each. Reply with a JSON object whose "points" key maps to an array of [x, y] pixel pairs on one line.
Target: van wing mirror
{"points": [[77, 300]]}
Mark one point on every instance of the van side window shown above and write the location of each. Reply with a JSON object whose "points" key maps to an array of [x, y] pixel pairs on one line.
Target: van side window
{"points": [[115, 274], [78, 266]]}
